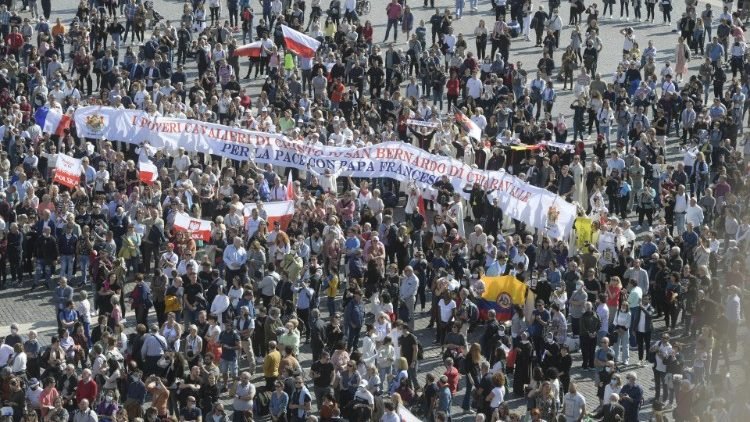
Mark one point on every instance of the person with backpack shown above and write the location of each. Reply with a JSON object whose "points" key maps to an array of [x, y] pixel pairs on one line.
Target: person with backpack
{"points": [[154, 346]]}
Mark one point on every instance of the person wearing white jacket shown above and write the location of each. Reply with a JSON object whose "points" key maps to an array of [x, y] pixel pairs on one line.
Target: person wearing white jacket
{"points": [[621, 323], [606, 118]]}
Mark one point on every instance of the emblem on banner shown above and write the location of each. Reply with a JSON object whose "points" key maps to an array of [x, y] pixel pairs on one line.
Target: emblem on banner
{"points": [[552, 214], [194, 226], [504, 300], [95, 123]]}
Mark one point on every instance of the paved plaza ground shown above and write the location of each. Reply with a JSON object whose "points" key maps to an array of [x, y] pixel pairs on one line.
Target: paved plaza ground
{"points": [[33, 310]]}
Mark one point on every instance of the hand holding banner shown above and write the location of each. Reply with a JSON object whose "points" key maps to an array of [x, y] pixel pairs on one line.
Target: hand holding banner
{"points": [[534, 206]]}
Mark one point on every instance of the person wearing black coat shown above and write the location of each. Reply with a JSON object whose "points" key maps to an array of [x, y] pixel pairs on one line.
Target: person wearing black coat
{"points": [[14, 253], [612, 411], [318, 334], [46, 8], [643, 332], [46, 255]]}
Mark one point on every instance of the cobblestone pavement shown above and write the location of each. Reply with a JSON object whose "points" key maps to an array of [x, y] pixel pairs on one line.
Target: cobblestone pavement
{"points": [[35, 311]]}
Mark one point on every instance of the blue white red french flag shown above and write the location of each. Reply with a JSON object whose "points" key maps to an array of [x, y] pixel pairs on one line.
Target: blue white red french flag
{"points": [[52, 121]]}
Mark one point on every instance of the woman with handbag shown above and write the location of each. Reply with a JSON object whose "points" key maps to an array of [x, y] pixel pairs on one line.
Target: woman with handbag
{"points": [[621, 323]]}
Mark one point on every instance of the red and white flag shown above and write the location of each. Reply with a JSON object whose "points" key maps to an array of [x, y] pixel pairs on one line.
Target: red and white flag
{"points": [[290, 188], [147, 172], [281, 211], [421, 209], [249, 50], [299, 43], [467, 124], [198, 229], [68, 171]]}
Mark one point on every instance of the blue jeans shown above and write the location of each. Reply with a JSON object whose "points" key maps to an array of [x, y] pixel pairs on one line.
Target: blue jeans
{"points": [[459, 8], [190, 316], [353, 337], [622, 133], [391, 23], [466, 405], [413, 375], [67, 267], [43, 271], [83, 263], [622, 348], [437, 97], [604, 130], [383, 373]]}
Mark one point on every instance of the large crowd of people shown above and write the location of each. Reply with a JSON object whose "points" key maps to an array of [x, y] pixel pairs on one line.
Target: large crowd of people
{"points": [[153, 324]]}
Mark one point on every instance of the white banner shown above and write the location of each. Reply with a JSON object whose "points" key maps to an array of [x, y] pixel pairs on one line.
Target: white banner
{"points": [[534, 206], [422, 123]]}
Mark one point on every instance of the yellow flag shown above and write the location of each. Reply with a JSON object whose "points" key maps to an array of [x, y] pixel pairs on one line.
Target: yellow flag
{"points": [[583, 231], [504, 287]]}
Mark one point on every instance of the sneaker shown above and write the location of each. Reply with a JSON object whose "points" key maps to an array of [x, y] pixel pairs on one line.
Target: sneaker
{"points": [[626, 363], [637, 227]]}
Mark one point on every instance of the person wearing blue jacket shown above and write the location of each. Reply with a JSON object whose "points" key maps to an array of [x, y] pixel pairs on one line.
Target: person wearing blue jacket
{"points": [[354, 318]]}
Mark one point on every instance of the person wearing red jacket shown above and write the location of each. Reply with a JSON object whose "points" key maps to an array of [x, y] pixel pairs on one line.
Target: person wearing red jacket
{"points": [[454, 88], [14, 41]]}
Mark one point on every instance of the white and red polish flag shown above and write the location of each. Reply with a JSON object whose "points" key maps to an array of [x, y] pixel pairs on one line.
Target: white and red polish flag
{"points": [[299, 43], [290, 187], [198, 229], [147, 172], [68, 171], [249, 50], [281, 212]]}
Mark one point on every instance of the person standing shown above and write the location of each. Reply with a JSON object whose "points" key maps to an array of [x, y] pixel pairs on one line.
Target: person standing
{"points": [[46, 8], [393, 10], [574, 405], [589, 329], [141, 300], [661, 350], [621, 323], [300, 402], [154, 346], [631, 397], [243, 397], [408, 293], [444, 395], [271, 364], [323, 375], [409, 346], [642, 324], [230, 342], [354, 318], [46, 255]]}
